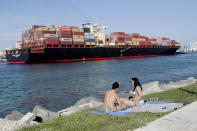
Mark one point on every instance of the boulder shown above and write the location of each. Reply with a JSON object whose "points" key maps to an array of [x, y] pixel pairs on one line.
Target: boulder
{"points": [[69, 111], [7, 125], [34, 123], [44, 113], [85, 103], [26, 119], [178, 84], [151, 87], [14, 116], [123, 94], [86, 100]]}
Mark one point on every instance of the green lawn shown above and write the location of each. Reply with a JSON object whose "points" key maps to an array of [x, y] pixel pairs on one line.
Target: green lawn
{"points": [[83, 121]]}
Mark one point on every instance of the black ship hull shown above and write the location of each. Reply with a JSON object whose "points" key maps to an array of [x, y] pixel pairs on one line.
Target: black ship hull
{"points": [[77, 54]]}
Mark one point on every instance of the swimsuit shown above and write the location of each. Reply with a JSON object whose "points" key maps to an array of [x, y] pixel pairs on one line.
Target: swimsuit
{"points": [[141, 102]]}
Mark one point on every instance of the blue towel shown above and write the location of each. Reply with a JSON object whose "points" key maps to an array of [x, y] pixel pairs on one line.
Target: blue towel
{"points": [[155, 102], [110, 113]]}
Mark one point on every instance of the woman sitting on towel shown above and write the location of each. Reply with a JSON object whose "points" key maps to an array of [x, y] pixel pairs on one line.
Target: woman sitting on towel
{"points": [[136, 94]]}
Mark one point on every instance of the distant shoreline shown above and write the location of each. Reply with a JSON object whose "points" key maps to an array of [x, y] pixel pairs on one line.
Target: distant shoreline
{"points": [[2, 60]]}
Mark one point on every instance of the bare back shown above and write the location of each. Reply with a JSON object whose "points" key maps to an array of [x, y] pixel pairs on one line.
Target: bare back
{"points": [[110, 99]]}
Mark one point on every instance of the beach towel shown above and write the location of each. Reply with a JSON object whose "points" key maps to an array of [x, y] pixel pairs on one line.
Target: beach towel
{"points": [[156, 108], [148, 106]]}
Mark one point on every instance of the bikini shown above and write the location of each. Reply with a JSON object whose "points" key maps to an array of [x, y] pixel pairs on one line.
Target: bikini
{"points": [[141, 102]]}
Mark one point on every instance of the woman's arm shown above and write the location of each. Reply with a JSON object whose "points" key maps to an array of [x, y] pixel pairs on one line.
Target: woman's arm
{"points": [[139, 92]]}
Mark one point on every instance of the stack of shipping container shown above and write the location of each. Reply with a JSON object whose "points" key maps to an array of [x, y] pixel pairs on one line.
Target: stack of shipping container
{"points": [[68, 36], [117, 38], [135, 39], [56, 36], [65, 35], [78, 36], [89, 39]]}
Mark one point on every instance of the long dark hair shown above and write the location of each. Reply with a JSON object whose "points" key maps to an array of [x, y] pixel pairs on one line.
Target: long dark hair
{"points": [[136, 83]]}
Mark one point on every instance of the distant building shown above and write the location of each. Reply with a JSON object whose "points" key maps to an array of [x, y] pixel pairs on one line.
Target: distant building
{"points": [[2, 53], [193, 46]]}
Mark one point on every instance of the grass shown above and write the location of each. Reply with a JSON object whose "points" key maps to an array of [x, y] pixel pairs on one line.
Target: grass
{"points": [[83, 121]]}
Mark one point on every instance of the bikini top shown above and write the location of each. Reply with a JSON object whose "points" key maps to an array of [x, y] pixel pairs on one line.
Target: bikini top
{"points": [[134, 93]]}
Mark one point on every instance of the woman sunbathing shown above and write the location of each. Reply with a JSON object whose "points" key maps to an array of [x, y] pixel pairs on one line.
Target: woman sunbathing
{"points": [[136, 94]]}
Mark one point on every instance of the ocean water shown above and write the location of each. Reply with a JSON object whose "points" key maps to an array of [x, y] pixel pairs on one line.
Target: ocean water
{"points": [[57, 86]]}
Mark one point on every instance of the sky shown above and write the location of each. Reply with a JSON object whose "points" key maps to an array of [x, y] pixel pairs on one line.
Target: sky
{"points": [[175, 19]]}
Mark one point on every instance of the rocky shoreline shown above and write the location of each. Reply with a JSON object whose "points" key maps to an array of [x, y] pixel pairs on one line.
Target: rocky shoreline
{"points": [[17, 120]]}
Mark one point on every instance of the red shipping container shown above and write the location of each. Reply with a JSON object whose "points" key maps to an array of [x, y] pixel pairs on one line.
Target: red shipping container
{"points": [[143, 43], [46, 32], [135, 36], [78, 33], [78, 43], [163, 38], [65, 35], [65, 32], [52, 42], [153, 39], [143, 37], [66, 42], [65, 29], [117, 33], [121, 39], [36, 26], [52, 39], [154, 44]]}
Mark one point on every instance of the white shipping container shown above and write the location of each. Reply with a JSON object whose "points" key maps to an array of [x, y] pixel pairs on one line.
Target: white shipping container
{"points": [[112, 44], [89, 35], [65, 39], [154, 42], [50, 35], [78, 40], [41, 39], [164, 44]]}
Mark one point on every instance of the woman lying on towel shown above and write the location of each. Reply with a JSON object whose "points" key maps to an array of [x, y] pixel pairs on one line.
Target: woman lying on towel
{"points": [[136, 94]]}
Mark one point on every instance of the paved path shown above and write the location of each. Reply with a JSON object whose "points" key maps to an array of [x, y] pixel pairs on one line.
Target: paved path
{"points": [[184, 119]]}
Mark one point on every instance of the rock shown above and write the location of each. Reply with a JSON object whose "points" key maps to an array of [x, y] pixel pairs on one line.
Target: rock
{"points": [[151, 87], [44, 113], [91, 104], [34, 123], [85, 103], [88, 100], [178, 84], [123, 95], [7, 125], [69, 111], [26, 119], [14, 116]]}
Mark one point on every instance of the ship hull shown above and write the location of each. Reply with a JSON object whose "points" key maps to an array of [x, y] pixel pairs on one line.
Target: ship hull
{"points": [[77, 54]]}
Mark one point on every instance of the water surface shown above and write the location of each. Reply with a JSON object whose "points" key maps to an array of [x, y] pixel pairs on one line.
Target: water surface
{"points": [[56, 86]]}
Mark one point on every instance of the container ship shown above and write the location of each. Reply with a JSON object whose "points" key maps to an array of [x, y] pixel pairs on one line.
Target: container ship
{"points": [[60, 43]]}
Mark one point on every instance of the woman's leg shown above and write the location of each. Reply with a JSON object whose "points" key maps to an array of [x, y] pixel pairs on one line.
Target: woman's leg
{"points": [[129, 103], [121, 107]]}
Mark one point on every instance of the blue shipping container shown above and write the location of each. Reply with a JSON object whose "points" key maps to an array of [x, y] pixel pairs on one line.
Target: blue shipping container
{"points": [[89, 40]]}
